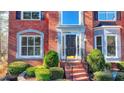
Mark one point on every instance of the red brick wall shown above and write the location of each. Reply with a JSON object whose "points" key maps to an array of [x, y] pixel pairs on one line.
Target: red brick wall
{"points": [[88, 20], [16, 26], [53, 17]]}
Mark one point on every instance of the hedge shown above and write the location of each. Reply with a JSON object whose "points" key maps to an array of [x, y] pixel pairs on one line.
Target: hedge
{"points": [[17, 67], [57, 73]]}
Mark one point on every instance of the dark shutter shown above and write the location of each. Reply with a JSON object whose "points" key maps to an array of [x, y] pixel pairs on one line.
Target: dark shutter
{"points": [[95, 15], [118, 15], [42, 15], [18, 15]]}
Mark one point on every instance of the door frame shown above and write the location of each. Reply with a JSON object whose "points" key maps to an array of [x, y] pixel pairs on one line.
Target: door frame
{"points": [[63, 38]]}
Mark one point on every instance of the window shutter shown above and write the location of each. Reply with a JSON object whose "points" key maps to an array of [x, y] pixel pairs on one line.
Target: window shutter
{"points": [[118, 15], [42, 15], [95, 15], [18, 15]]}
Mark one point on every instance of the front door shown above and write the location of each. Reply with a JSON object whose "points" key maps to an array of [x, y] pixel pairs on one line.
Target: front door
{"points": [[71, 46]]}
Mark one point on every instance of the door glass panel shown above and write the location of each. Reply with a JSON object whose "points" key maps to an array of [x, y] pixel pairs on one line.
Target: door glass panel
{"points": [[70, 46], [111, 46]]}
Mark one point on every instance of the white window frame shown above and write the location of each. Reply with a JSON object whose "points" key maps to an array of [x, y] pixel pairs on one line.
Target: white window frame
{"points": [[61, 18], [27, 56], [115, 13], [116, 55], [22, 13], [96, 41]]}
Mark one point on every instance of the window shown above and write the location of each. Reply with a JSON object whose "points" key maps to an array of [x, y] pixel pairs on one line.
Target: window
{"points": [[111, 45], [70, 18], [30, 45], [99, 42], [107, 16], [31, 15]]}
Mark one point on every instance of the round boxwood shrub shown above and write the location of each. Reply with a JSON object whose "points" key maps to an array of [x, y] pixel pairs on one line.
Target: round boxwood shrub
{"points": [[57, 73], [42, 74], [108, 66], [51, 59], [17, 67], [96, 60], [120, 76], [120, 66], [30, 71], [102, 76]]}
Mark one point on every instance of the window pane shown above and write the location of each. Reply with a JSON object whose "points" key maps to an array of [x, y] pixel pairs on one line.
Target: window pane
{"points": [[26, 15], [24, 41], [99, 47], [111, 16], [30, 41], [70, 17], [24, 51], [99, 40], [37, 41], [35, 15], [111, 48], [30, 51], [37, 51], [101, 15]]}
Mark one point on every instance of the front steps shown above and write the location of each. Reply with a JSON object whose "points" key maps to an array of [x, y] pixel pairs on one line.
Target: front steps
{"points": [[75, 71]]}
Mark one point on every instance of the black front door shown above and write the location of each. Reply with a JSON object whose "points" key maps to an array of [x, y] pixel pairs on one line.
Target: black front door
{"points": [[70, 46]]}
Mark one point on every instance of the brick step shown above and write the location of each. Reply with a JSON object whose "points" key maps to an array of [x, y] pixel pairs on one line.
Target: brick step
{"points": [[75, 71], [78, 73], [81, 79]]}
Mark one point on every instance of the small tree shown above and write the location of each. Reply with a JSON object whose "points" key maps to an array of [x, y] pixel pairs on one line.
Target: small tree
{"points": [[96, 60]]}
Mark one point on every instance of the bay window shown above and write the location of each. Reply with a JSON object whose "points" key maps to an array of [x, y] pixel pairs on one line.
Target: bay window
{"points": [[98, 41]]}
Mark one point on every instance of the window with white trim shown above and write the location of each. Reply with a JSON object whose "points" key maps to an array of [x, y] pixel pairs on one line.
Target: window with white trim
{"points": [[31, 15], [30, 46], [111, 45], [99, 42], [107, 15], [70, 17]]}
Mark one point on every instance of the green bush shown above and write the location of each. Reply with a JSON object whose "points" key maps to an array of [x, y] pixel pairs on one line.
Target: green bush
{"points": [[17, 67], [108, 66], [96, 60], [120, 76], [102, 76], [42, 74], [51, 59], [120, 66], [30, 71], [57, 73]]}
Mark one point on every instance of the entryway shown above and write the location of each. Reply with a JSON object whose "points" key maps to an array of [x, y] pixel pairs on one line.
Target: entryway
{"points": [[71, 46]]}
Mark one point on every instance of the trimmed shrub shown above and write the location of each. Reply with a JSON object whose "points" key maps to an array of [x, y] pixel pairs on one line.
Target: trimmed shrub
{"points": [[57, 73], [30, 71], [120, 66], [102, 76], [108, 66], [51, 59], [120, 76], [17, 67], [96, 60], [42, 74]]}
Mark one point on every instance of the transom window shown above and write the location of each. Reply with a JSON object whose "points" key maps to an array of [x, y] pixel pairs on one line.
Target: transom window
{"points": [[31, 15], [31, 45], [111, 45], [107, 16], [70, 18], [99, 42]]}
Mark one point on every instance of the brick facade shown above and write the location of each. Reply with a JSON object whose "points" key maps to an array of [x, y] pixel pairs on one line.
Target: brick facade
{"points": [[47, 26]]}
